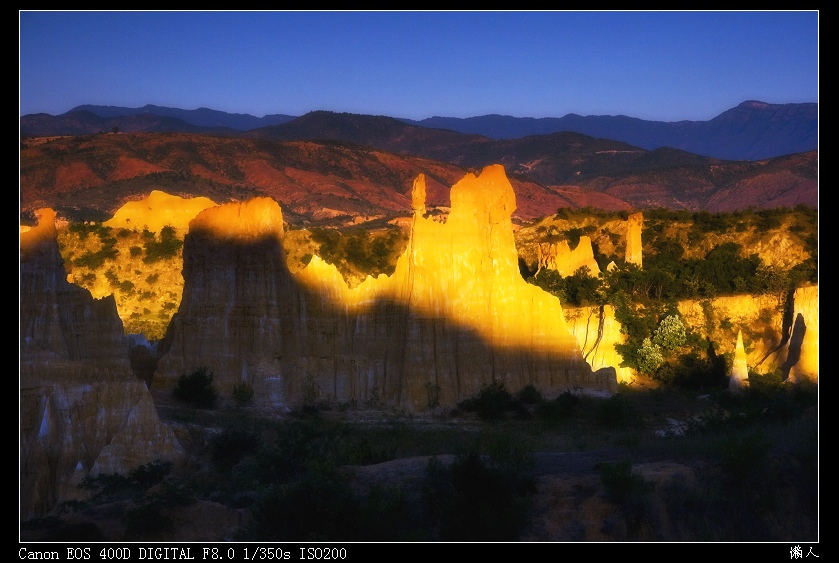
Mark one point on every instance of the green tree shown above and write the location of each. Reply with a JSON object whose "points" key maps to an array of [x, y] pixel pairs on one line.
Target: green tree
{"points": [[670, 334]]}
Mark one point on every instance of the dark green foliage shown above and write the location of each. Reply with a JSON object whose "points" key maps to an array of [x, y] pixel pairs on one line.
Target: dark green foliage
{"points": [[167, 247], [370, 254], [615, 412], [229, 447], [115, 485], [622, 483], [690, 371], [477, 500], [741, 457], [578, 289], [559, 409], [707, 222], [243, 392], [146, 519], [768, 219], [529, 395], [491, 403], [319, 506], [87, 278], [196, 389], [573, 235], [433, 390], [95, 260]]}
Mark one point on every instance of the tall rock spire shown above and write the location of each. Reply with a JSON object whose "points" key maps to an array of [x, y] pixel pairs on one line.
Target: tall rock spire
{"points": [[740, 369]]}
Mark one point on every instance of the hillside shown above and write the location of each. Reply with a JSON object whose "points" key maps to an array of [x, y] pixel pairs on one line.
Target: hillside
{"points": [[89, 177]]}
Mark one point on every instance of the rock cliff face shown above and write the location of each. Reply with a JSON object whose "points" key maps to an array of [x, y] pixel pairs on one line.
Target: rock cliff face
{"points": [[82, 412], [454, 316]]}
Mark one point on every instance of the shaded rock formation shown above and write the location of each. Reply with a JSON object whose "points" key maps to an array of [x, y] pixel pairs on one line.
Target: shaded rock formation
{"points": [[454, 316], [634, 225], [82, 411], [59, 320], [559, 256]]}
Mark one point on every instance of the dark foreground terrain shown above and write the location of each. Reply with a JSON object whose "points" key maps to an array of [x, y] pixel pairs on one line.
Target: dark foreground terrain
{"points": [[643, 465]]}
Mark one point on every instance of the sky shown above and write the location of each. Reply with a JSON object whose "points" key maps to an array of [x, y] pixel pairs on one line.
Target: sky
{"points": [[664, 66]]}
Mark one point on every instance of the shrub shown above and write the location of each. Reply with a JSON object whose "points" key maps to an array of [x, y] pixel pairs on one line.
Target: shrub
{"points": [[621, 482], [529, 395], [243, 392], [233, 444], [433, 391], [320, 506], [670, 334], [559, 409], [615, 412], [477, 499], [196, 389], [649, 357], [491, 403]]}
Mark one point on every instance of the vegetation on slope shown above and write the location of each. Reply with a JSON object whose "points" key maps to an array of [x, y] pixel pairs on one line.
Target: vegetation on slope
{"points": [[687, 256], [749, 463]]}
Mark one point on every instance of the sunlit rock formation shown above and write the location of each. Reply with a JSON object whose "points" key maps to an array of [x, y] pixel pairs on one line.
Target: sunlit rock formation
{"points": [[158, 210], [597, 331], [634, 226], [803, 356], [82, 412], [776, 336], [739, 369], [454, 316], [559, 256]]}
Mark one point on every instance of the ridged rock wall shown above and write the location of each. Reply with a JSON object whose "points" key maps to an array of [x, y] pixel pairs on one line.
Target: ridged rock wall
{"points": [[82, 412], [454, 316]]}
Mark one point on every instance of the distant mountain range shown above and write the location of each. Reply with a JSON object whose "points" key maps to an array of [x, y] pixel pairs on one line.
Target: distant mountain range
{"points": [[751, 131]]}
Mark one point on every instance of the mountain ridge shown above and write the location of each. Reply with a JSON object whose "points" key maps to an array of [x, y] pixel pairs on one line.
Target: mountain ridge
{"points": [[753, 130]]}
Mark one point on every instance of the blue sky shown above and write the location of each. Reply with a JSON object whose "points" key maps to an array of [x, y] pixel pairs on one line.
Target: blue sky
{"points": [[664, 66]]}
